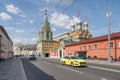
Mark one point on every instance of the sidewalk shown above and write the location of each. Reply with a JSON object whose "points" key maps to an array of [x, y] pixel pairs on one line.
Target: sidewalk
{"points": [[12, 69], [104, 62]]}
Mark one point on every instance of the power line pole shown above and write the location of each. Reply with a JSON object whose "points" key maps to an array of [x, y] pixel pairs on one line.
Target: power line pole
{"points": [[109, 45]]}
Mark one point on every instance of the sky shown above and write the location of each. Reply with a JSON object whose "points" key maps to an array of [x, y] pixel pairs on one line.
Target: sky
{"points": [[22, 18]]}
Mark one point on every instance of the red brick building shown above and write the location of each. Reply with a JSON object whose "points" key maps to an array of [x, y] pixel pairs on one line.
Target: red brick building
{"points": [[96, 48]]}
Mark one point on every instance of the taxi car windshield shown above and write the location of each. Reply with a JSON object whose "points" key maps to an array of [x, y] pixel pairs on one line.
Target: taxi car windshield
{"points": [[74, 57]]}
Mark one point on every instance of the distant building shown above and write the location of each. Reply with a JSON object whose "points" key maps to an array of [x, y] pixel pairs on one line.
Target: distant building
{"points": [[24, 50], [96, 48], [6, 44], [17, 50]]}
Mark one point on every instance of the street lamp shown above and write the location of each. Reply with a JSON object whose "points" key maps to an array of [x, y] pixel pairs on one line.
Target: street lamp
{"points": [[109, 47]]}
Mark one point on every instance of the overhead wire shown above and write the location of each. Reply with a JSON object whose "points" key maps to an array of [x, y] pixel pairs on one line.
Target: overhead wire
{"points": [[70, 5], [49, 15]]}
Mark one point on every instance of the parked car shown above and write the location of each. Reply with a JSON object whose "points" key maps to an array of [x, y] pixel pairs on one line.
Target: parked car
{"points": [[73, 61], [82, 57], [32, 57]]}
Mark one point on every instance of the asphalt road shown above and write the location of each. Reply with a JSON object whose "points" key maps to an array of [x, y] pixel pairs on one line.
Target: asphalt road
{"points": [[46, 69]]}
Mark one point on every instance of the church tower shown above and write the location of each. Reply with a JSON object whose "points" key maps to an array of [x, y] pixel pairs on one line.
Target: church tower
{"points": [[45, 31]]}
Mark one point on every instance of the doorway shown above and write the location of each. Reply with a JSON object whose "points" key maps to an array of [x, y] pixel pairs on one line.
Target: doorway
{"points": [[47, 54], [60, 54]]}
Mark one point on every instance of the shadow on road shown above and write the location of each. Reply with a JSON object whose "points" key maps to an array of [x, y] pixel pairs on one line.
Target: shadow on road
{"points": [[34, 73]]}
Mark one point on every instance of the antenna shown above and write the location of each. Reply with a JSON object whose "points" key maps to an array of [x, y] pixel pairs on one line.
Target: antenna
{"points": [[85, 18], [72, 20], [79, 14]]}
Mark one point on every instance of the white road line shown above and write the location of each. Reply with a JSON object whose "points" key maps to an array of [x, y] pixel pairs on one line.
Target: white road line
{"points": [[69, 69], [107, 69], [103, 79]]}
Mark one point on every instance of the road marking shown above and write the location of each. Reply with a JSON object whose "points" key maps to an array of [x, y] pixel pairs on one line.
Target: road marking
{"points": [[69, 69], [103, 79], [107, 69]]}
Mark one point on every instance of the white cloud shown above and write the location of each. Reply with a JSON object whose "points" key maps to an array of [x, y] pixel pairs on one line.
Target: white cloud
{"points": [[22, 15], [17, 40], [24, 21], [31, 21], [25, 40], [34, 39], [9, 28], [12, 9], [19, 31], [53, 29], [5, 16], [19, 23], [61, 20]]}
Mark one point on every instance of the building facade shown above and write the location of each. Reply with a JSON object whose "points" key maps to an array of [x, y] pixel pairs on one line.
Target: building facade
{"points": [[59, 52], [6, 44], [61, 36], [96, 48]]}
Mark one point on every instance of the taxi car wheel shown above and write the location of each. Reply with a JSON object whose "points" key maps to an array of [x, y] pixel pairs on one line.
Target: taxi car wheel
{"points": [[72, 64], [62, 62]]}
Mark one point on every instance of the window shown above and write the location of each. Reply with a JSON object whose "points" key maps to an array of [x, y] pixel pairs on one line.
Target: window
{"points": [[66, 57], [44, 44], [84, 47], [111, 44], [55, 50], [88, 46], [47, 34], [70, 54], [42, 34], [80, 48], [119, 44], [95, 46], [50, 44]]}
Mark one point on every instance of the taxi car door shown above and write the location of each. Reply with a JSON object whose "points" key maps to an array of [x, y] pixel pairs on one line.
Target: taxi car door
{"points": [[69, 60]]}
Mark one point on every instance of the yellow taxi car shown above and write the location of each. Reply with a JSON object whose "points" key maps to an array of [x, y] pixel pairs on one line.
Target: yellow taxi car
{"points": [[73, 61]]}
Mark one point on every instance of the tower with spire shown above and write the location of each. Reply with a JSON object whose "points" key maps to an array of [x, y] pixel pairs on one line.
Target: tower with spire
{"points": [[45, 31], [45, 37]]}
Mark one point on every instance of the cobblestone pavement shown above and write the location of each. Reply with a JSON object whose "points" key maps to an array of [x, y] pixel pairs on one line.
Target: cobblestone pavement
{"points": [[12, 69]]}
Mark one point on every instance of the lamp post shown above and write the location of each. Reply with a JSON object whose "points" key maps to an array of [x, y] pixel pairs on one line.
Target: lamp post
{"points": [[0, 46], [109, 47]]}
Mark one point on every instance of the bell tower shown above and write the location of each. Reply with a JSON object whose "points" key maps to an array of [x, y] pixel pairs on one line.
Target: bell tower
{"points": [[45, 31]]}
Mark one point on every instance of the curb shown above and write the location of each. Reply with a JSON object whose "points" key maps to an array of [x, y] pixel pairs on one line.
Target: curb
{"points": [[104, 63], [24, 77]]}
